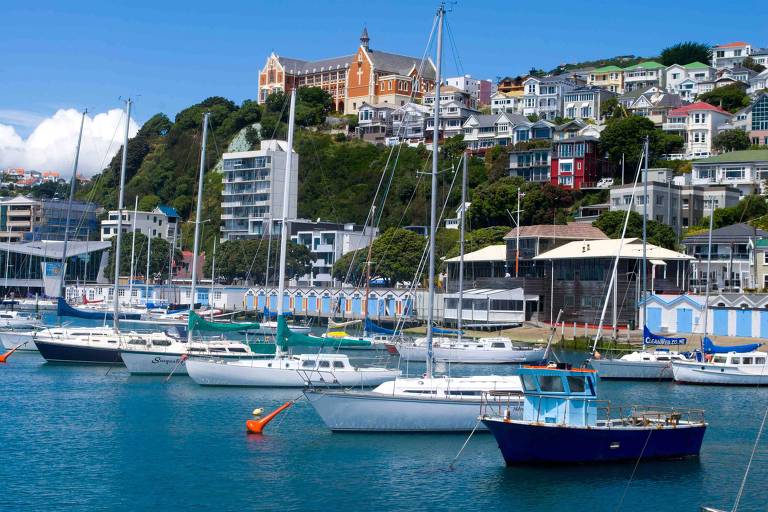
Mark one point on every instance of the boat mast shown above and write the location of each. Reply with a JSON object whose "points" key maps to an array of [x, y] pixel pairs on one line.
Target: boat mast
{"points": [[146, 277], [709, 265], [645, 235], [368, 271], [433, 202], [284, 223], [69, 204], [460, 321], [213, 274], [120, 204], [133, 248], [196, 245]]}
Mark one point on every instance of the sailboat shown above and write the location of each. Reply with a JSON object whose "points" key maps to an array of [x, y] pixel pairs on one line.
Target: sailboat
{"points": [[284, 369], [427, 403], [655, 364], [98, 345]]}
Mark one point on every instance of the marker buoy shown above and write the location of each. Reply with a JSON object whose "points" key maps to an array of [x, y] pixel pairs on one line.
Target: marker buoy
{"points": [[4, 357], [257, 426]]}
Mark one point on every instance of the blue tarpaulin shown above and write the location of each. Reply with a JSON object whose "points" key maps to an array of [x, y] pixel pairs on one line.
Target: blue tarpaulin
{"points": [[654, 339], [710, 347], [377, 329], [64, 309]]}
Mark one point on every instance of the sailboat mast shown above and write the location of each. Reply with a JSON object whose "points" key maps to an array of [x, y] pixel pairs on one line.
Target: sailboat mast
{"points": [[120, 205], [645, 233], [69, 204], [368, 269], [213, 273], [460, 321], [146, 277], [433, 201], [709, 264], [196, 244], [284, 223], [133, 248]]}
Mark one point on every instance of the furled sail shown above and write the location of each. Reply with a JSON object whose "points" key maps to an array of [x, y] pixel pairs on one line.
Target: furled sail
{"points": [[372, 327], [333, 324], [64, 309], [198, 323]]}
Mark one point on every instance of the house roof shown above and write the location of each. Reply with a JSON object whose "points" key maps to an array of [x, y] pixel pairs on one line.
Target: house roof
{"points": [[607, 68], [301, 66], [490, 253], [169, 211], [747, 155], [631, 249], [732, 45], [51, 249], [696, 65], [19, 200], [400, 64], [695, 107], [572, 230], [650, 64], [727, 233]]}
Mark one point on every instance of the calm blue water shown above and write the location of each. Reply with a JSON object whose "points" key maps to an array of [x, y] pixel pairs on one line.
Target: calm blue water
{"points": [[83, 438]]}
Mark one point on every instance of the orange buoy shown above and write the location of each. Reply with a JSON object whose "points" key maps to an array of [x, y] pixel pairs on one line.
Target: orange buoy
{"points": [[257, 426], [4, 357]]}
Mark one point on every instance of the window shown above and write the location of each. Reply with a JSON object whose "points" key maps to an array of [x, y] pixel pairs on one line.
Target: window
{"points": [[325, 364], [576, 384], [551, 383], [338, 364], [529, 382]]}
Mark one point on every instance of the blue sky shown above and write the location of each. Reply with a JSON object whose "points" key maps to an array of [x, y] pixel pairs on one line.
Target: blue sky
{"points": [[171, 54]]}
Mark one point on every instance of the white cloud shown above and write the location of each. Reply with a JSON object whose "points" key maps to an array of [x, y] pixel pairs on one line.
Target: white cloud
{"points": [[51, 145]]}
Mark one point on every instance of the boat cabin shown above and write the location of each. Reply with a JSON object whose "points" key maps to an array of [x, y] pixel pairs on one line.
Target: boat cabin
{"points": [[736, 358], [324, 362], [559, 395]]}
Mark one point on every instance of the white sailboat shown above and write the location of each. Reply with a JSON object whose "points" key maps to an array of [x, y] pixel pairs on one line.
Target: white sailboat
{"points": [[655, 364], [285, 370], [427, 403]]}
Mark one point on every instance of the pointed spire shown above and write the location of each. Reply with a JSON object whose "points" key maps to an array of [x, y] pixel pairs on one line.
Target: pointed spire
{"points": [[364, 39]]}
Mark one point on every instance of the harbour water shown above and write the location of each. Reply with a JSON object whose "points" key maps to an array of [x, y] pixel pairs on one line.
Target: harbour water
{"points": [[90, 438]]}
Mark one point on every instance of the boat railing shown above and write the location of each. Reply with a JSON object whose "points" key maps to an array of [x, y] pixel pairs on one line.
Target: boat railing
{"points": [[500, 403], [637, 415]]}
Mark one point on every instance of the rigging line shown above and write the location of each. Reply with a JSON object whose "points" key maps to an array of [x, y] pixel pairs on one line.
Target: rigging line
{"points": [[454, 50], [749, 464], [456, 458], [634, 470]]}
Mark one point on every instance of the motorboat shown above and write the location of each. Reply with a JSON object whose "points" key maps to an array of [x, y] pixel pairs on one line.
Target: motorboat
{"points": [[437, 404], [466, 350], [731, 369], [10, 319], [564, 422], [295, 371]]}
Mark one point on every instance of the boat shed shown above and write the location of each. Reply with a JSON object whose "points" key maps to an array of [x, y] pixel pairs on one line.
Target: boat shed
{"points": [[482, 307], [580, 273]]}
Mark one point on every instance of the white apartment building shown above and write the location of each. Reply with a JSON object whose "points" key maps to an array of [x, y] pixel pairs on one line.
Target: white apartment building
{"points": [[746, 170], [328, 242], [730, 54], [450, 94], [253, 189], [18, 216], [697, 123], [453, 114], [585, 102], [544, 96], [482, 131], [162, 222], [506, 102], [479, 90]]}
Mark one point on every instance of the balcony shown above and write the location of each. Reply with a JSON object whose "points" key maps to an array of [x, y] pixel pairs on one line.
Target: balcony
{"points": [[674, 126], [323, 248]]}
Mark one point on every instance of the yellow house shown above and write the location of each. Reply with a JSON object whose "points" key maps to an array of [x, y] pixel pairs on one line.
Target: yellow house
{"points": [[608, 77]]}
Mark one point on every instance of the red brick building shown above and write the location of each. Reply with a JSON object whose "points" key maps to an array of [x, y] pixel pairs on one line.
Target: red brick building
{"points": [[577, 164]]}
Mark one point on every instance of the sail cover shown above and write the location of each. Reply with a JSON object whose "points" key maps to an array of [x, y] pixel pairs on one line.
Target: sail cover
{"points": [[654, 339], [370, 326], [441, 330], [273, 314], [331, 323], [196, 322], [710, 347], [64, 309], [287, 338]]}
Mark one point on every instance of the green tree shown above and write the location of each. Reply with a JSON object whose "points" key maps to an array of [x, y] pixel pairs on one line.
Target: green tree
{"points": [[497, 162], [494, 202], [612, 224], [626, 136], [685, 53], [612, 109], [246, 260], [159, 257], [395, 256], [479, 239], [730, 98], [750, 63], [731, 140], [148, 203], [749, 208]]}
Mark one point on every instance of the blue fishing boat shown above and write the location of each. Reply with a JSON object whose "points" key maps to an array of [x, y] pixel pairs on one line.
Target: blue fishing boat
{"points": [[564, 422]]}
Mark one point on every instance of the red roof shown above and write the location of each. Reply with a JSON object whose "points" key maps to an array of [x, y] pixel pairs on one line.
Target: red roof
{"points": [[695, 107], [731, 45]]}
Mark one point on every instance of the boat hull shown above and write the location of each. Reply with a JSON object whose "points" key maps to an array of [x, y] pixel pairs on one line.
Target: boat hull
{"points": [[208, 372], [158, 363], [25, 342], [618, 369], [58, 352], [373, 412], [450, 355], [537, 443], [702, 373]]}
